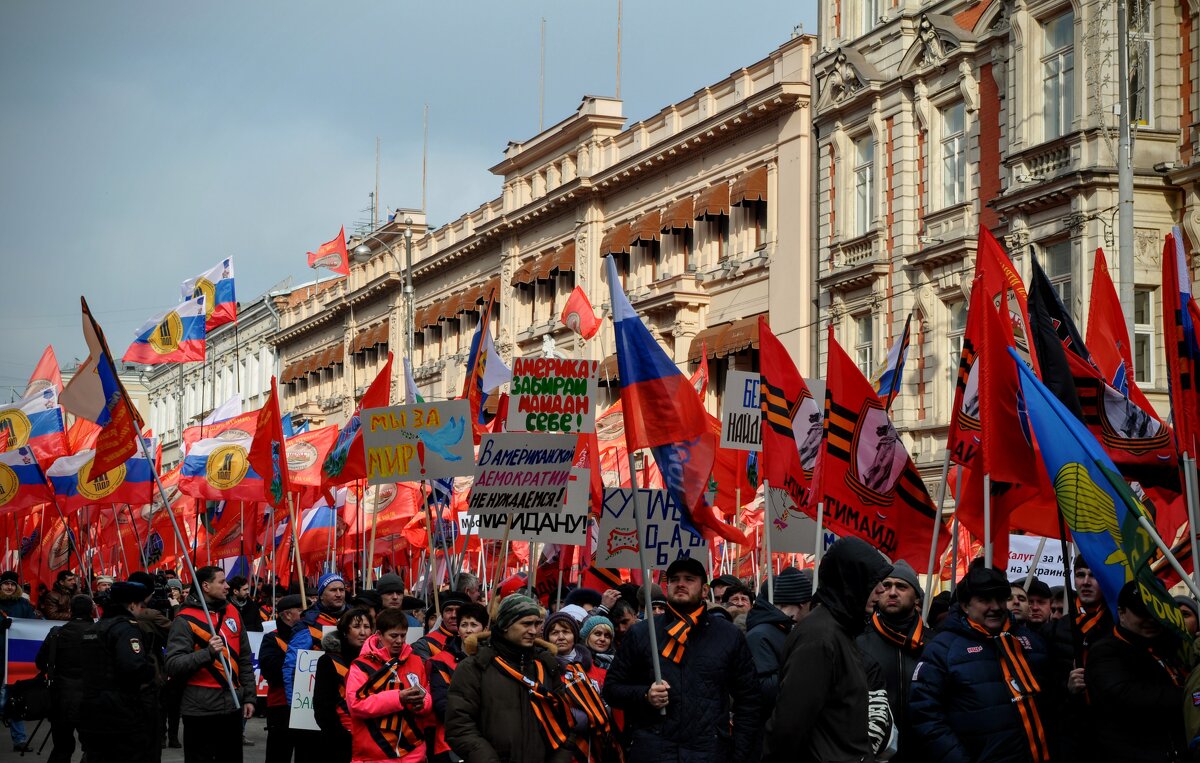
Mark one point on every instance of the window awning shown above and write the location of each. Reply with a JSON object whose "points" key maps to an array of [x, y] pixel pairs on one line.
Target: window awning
{"points": [[331, 356], [492, 287], [375, 335], [472, 297], [564, 258], [607, 370], [543, 266], [743, 334], [679, 216], [712, 202], [750, 187], [646, 228], [616, 241], [706, 342], [524, 274]]}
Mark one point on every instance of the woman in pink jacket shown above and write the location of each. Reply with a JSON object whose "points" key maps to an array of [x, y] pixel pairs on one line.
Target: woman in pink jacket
{"points": [[387, 694]]}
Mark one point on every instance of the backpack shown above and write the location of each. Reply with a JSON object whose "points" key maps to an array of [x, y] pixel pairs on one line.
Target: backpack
{"points": [[29, 699]]}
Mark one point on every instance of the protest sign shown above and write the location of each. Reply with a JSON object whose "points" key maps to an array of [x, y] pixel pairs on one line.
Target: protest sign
{"points": [[408, 443], [741, 416], [568, 527], [1023, 552], [792, 531], [522, 472], [553, 395], [666, 541], [302, 715]]}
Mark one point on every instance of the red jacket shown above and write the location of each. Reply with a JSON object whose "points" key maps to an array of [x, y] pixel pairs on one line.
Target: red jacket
{"points": [[383, 729]]}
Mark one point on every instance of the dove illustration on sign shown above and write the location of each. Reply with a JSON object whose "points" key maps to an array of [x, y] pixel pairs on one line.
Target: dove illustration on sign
{"points": [[444, 438]]}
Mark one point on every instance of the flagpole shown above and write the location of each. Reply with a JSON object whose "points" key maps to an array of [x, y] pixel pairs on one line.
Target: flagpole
{"points": [[987, 520], [646, 580], [296, 550], [937, 526], [429, 544], [1189, 476], [1033, 564], [767, 522], [820, 550], [503, 550], [120, 541], [71, 539], [137, 539]]}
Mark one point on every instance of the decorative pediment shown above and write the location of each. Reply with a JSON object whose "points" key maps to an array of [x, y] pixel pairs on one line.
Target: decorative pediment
{"points": [[938, 38], [847, 73]]}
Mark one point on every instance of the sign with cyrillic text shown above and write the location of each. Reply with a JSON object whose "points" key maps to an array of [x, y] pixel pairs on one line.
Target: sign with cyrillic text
{"points": [[666, 541], [424, 441], [741, 416], [552, 395], [521, 472]]}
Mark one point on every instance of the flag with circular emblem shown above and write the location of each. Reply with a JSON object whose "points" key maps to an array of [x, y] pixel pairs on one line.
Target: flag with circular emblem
{"points": [[21, 481], [176, 336], [215, 285], [77, 485]]}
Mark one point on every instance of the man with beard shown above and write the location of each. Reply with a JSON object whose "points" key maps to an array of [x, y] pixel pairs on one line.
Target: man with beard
{"points": [[822, 710], [894, 638], [239, 596], [977, 694], [708, 677], [1072, 637], [55, 604]]}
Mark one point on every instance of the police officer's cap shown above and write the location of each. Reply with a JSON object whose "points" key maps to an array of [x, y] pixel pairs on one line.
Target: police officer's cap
{"points": [[128, 593]]}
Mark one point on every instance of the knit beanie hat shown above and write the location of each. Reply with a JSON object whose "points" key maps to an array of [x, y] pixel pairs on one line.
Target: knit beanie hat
{"points": [[9, 576], [566, 619], [793, 586], [582, 596], [594, 622], [513, 608], [902, 570], [577, 613], [326, 580], [389, 583]]}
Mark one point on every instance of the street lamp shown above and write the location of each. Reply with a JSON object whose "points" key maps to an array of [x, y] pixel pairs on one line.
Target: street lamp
{"points": [[362, 252]]}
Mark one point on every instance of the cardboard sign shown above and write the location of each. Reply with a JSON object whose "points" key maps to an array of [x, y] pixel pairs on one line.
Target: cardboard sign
{"points": [[522, 472], [408, 443], [741, 416], [1022, 550], [568, 527], [792, 531], [553, 395], [302, 715], [666, 541]]}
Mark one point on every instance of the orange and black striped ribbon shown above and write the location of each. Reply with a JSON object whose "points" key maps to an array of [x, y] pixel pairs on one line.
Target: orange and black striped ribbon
{"points": [[396, 734], [200, 638], [675, 643], [549, 709], [584, 696], [1172, 670], [910, 641], [1023, 686]]}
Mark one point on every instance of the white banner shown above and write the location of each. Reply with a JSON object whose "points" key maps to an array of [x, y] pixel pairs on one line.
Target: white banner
{"points": [[1023, 552], [302, 716], [741, 416], [792, 531], [666, 541], [568, 527], [519, 472]]}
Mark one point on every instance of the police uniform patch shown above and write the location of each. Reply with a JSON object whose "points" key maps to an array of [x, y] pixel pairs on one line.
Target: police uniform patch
{"points": [[135, 645], [231, 624]]}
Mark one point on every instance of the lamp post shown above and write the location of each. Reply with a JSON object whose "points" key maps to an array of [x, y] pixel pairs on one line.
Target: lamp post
{"points": [[362, 251]]}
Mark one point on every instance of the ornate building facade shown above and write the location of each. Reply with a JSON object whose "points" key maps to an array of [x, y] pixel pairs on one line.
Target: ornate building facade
{"points": [[936, 118]]}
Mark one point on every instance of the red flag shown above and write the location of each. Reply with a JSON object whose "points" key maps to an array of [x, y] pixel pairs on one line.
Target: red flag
{"points": [[1179, 336], [332, 254], [268, 450], [306, 452], [45, 374], [346, 461], [869, 485], [578, 315], [1007, 454], [1107, 337], [1006, 290], [791, 427]]}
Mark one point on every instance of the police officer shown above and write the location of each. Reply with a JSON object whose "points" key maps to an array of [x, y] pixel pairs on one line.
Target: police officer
{"points": [[117, 667]]}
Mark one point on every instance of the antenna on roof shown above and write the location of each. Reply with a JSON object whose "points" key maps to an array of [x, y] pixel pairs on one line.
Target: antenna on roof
{"points": [[618, 49], [425, 158], [375, 198], [542, 79]]}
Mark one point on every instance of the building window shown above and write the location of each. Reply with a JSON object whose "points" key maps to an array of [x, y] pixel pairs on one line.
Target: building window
{"points": [[1143, 336], [957, 330], [1141, 65], [758, 218], [954, 155], [1058, 75], [870, 15], [1060, 272], [864, 183], [864, 344]]}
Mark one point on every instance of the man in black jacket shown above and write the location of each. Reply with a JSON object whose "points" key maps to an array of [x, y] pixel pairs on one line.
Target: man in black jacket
{"points": [[1135, 685], [894, 638], [821, 711], [60, 658], [708, 675], [270, 666], [768, 626]]}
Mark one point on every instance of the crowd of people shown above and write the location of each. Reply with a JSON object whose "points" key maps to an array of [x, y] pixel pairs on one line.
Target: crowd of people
{"points": [[859, 669]]}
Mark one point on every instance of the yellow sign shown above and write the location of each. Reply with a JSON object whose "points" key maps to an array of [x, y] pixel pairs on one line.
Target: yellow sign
{"points": [[9, 484], [17, 424], [102, 486], [205, 288], [227, 465], [164, 338]]}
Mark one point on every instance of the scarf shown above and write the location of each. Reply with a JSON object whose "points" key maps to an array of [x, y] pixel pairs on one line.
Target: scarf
{"points": [[677, 632], [911, 639], [549, 709], [1019, 678], [1172, 670], [395, 734], [1086, 621]]}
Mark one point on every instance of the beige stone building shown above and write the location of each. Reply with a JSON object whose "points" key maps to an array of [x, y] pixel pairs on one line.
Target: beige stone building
{"points": [[934, 118], [706, 205]]}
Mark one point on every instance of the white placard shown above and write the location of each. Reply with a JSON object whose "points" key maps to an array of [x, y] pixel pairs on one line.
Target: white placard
{"points": [[792, 531], [305, 679], [1022, 550], [741, 416], [568, 527], [666, 541], [518, 472], [423, 441]]}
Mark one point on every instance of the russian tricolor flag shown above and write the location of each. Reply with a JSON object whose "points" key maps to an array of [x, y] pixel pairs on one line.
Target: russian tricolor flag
{"points": [[219, 469], [216, 287], [176, 336], [21, 482], [35, 421], [889, 376], [76, 486], [663, 413]]}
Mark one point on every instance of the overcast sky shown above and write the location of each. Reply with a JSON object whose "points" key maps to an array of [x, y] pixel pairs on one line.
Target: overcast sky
{"points": [[141, 142]]}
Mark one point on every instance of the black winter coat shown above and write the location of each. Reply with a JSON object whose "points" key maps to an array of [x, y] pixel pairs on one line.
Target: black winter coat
{"points": [[767, 629], [329, 691], [821, 713], [960, 708], [66, 689], [716, 678], [489, 718], [896, 666], [1137, 710]]}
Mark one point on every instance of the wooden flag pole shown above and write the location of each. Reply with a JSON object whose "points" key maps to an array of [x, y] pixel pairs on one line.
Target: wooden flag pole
{"points": [[937, 527], [120, 541], [987, 520], [646, 579], [295, 521], [432, 550], [137, 538], [820, 549], [369, 573], [1033, 564], [496, 579]]}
